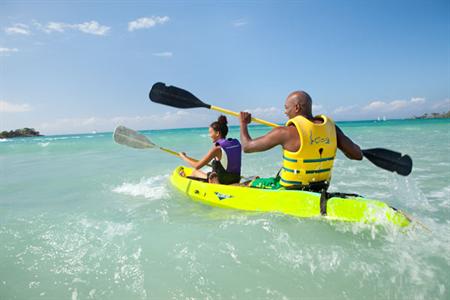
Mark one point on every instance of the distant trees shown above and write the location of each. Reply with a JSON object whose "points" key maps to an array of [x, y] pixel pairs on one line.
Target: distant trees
{"points": [[19, 133], [434, 116]]}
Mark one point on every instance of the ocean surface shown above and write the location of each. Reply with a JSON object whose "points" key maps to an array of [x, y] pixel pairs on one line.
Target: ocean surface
{"points": [[84, 218]]}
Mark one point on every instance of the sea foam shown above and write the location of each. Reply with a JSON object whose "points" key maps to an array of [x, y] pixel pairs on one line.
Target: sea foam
{"points": [[152, 188]]}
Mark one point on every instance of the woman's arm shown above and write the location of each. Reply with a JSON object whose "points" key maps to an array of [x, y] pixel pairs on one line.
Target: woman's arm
{"points": [[198, 164]]}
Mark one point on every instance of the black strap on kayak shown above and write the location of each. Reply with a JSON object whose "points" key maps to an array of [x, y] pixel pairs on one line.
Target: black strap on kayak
{"points": [[278, 173], [323, 203], [316, 187], [324, 197]]}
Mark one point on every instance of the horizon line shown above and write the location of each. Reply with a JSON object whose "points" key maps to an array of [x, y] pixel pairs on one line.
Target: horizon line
{"points": [[231, 126]]}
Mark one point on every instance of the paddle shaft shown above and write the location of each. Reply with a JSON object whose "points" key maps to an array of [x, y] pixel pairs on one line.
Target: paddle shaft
{"points": [[408, 216], [233, 113], [176, 154], [169, 151]]}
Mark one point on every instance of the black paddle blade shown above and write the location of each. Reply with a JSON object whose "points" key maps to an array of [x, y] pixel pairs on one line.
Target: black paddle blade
{"points": [[389, 160], [174, 96]]}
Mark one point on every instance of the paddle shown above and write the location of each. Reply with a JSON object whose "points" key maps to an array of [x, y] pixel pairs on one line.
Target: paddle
{"points": [[128, 137], [176, 97], [389, 160]]}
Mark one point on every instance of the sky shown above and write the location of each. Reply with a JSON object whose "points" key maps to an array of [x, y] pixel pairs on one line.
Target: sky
{"points": [[83, 66]]}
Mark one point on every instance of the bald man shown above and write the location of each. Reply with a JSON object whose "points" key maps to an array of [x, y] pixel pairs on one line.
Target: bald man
{"points": [[309, 146]]}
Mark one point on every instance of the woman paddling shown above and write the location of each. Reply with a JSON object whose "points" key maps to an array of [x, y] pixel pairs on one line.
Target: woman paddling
{"points": [[225, 155]]}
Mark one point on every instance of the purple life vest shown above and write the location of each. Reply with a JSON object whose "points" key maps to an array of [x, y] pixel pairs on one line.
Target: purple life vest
{"points": [[233, 150]]}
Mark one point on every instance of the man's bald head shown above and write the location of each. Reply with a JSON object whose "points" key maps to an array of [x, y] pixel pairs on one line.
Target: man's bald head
{"points": [[298, 103]]}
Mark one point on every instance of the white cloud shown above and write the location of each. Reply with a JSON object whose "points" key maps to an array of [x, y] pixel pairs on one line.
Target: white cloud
{"points": [[54, 26], [379, 108], [418, 100], [266, 110], [6, 51], [445, 104], [239, 23], [146, 22], [7, 107], [163, 54], [271, 114], [344, 109], [396, 105], [375, 105], [316, 107], [18, 29], [38, 25], [170, 119], [92, 27]]}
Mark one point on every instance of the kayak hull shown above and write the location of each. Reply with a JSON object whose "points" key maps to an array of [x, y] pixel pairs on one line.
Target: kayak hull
{"points": [[295, 203]]}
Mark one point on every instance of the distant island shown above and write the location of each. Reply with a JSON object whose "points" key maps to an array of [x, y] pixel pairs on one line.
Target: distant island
{"points": [[434, 116], [19, 133]]}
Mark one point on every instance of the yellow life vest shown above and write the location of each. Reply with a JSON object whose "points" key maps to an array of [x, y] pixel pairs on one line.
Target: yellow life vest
{"points": [[315, 158]]}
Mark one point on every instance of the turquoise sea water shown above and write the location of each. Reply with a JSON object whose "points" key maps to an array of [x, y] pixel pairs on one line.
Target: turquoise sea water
{"points": [[84, 218]]}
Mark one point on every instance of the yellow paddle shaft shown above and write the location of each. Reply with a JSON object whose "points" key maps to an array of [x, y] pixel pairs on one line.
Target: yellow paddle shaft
{"points": [[169, 151], [176, 154], [230, 112]]}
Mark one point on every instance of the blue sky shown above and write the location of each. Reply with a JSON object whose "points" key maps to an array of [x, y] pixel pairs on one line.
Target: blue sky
{"points": [[71, 67]]}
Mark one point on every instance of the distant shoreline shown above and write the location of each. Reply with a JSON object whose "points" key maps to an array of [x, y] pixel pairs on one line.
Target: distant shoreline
{"points": [[24, 132], [434, 116]]}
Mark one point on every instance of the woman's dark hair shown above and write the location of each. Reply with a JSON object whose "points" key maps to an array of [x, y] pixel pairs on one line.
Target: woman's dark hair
{"points": [[221, 126]]}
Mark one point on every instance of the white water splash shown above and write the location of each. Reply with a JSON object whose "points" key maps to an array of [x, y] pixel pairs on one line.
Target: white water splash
{"points": [[152, 188], [43, 145], [75, 294]]}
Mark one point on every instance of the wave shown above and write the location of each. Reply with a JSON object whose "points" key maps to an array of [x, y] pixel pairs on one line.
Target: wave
{"points": [[152, 188]]}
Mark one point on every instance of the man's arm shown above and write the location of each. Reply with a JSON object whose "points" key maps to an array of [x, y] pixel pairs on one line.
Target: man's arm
{"points": [[346, 145], [273, 138]]}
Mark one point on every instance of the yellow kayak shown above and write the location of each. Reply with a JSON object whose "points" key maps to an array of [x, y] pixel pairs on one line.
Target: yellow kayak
{"points": [[333, 206]]}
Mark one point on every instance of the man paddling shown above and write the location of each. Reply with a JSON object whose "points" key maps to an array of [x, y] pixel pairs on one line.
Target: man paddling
{"points": [[309, 146]]}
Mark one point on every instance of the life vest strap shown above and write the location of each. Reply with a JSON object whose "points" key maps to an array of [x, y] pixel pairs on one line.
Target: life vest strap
{"points": [[318, 160], [317, 171]]}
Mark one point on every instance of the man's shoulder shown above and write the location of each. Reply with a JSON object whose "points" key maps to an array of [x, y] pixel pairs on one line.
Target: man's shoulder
{"points": [[286, 132]]}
